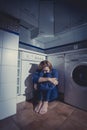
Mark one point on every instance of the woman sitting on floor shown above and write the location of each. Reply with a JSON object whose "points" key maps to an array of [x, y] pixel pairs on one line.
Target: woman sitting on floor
{"points": [[45, 82]]}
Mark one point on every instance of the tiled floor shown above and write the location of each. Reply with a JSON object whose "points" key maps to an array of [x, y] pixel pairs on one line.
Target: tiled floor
{"points": [[60, 116]]}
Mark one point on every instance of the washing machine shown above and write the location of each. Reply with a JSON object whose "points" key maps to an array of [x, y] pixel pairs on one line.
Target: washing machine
{"points": [[76, 79]]}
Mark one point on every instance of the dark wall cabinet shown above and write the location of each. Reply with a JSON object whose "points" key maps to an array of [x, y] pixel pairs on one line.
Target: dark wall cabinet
{"points": [[69, 14]]}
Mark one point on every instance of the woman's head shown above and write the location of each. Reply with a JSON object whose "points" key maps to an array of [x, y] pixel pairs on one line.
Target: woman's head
{"points": [[45, 66]]}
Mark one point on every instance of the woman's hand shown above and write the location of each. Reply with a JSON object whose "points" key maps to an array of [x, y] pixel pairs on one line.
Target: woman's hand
{"points": [[53, 80], [35, 86]]}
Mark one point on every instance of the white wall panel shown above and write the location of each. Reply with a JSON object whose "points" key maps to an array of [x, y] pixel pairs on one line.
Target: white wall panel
{"points": [[8, 74], [10, 41], [9, 57], [1, 38], [8, 91], [7, 108], [0, 56], [0, 80]]}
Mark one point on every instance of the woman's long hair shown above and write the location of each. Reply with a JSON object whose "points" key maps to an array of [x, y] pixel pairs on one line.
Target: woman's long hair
{"points": [[43, 64]]}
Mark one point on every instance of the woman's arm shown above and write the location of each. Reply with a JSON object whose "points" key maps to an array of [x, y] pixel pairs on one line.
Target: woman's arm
{"points": [[52, 80], [37, 78], [43, 79]]}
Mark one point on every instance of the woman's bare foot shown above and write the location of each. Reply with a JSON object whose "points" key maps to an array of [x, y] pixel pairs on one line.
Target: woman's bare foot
{"points": [[37, 108], [44, 108]]}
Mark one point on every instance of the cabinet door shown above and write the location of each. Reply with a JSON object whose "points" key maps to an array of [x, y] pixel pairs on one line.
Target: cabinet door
{"points": [[62, 17], [46, 18]]}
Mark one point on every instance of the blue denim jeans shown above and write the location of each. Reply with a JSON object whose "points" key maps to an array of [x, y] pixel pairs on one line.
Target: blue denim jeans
{"points": [[48, 95]]}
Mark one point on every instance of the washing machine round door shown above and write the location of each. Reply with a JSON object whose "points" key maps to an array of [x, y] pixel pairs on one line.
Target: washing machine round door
{"points": [[79, 75]]}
